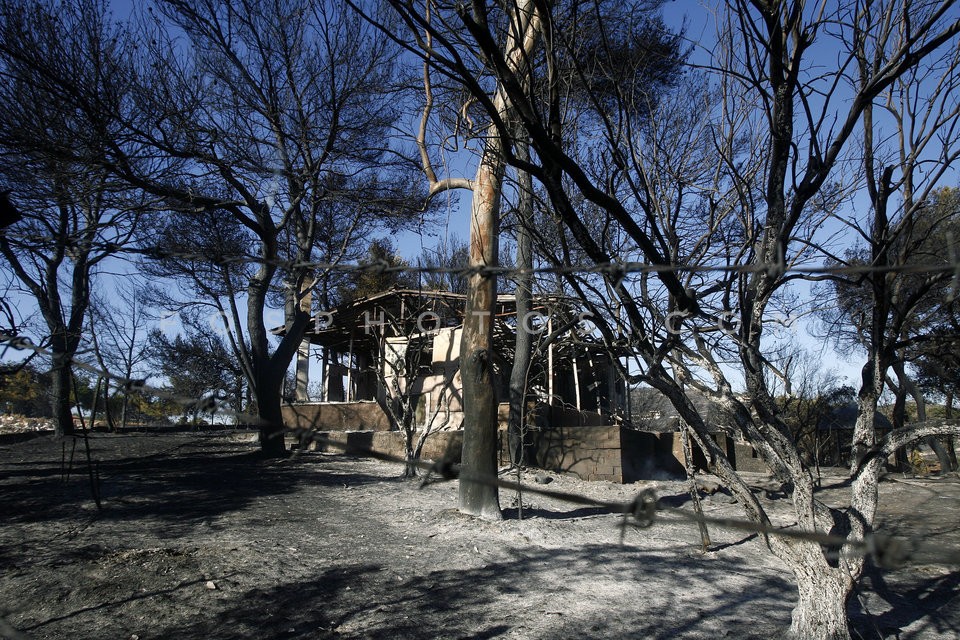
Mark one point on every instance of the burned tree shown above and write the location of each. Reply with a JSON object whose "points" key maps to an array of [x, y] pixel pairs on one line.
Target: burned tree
{"points": [[279, 116], [706, 216], [67, 87], [417, 396]]}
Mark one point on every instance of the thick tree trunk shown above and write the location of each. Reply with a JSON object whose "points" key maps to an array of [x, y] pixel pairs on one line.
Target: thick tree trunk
{"points": [[269, 369], [271, 419], [821, 609], [823, 591], [479, 455], [62, 377]]}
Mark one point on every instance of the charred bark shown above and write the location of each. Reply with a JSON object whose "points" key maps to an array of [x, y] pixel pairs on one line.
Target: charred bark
{"points": [[62, 377], [524, 293]]}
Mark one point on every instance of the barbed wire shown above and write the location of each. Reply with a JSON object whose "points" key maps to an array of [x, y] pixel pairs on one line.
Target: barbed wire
{"points": [[641, 512], [614, 269]]}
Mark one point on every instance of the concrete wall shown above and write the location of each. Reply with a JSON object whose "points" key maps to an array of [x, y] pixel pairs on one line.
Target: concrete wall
{"points": [[365, 415]]}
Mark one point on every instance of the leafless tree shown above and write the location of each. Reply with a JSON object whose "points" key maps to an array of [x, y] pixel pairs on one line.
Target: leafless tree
{"points": [[277, 115], [66, 83], [119, 334], [911, 138], [209, 270], [417, 399], [718, 214], [444, 266]]}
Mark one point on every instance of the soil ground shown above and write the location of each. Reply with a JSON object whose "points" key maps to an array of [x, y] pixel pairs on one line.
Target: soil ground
{"points": [[199, 537]]}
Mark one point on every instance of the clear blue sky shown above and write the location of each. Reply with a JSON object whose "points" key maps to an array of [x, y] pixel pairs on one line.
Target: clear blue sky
{"points": [[453, 216]]}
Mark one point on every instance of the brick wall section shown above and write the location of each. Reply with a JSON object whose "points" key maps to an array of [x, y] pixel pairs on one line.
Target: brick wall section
{"points": [[747, 459], [437, 446], [592, 453]]}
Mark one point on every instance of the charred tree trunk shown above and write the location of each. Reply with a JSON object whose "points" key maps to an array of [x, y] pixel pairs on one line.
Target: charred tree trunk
{"points": [[266, 383], [269, 369], [864, 434], [268, 410], [947, 463], [411, 451], [65, 340], [62, 377], [899, 419], [524, 295]]}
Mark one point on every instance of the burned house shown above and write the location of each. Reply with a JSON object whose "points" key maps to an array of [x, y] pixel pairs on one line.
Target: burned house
{"points": [[833, 436], [654, 430], [406, 342]]}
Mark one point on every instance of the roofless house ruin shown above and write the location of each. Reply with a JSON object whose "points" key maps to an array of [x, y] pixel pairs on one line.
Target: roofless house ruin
{"points": [[406, 343], [362, 340]]}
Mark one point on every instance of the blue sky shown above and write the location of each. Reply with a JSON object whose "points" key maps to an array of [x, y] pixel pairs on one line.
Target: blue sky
{"points": [[453, 215]]}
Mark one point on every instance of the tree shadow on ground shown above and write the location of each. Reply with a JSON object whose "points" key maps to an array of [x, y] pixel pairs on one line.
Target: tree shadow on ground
{"points": [[909, 599], [172, 490], [553, 514], [449, 602]]}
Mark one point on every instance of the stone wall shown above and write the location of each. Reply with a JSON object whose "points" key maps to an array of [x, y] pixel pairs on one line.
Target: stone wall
{"points": [[602, 452], [391, 443], [651, 455], [615, 454], [667, 455], [364, 415], [592, 452]]}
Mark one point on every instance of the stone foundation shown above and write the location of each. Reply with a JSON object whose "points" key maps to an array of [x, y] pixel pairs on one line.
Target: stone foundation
{"points": [[392, 443], [608, 453], [364, 415]]}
